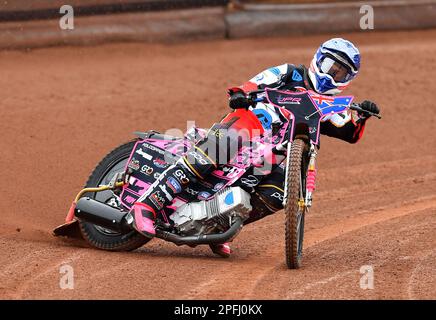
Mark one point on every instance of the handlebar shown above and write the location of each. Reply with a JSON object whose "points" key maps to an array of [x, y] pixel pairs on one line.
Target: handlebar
{"points": [[252, 96], [258, 100], [355, 106]]}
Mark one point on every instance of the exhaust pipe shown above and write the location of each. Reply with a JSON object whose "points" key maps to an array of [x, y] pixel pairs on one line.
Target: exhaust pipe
{"points": [[202, 239], [101, 214]]}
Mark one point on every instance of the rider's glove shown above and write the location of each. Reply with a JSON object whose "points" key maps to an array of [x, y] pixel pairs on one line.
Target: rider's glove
{"points": [[238, 100], [368, 106]]}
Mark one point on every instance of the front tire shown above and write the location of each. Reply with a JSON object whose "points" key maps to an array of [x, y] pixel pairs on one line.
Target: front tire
{"points": [[294, 225], [100, 237]]}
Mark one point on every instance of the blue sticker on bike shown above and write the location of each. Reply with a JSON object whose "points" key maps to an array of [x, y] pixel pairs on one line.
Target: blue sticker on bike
{"points": [[264, 117], [174, 185]]}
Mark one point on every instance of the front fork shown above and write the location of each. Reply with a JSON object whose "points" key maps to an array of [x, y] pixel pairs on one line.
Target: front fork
{"points": [[310, 176]]}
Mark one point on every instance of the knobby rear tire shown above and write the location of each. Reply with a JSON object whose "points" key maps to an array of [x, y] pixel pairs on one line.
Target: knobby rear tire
{"points": [[96, 236]]}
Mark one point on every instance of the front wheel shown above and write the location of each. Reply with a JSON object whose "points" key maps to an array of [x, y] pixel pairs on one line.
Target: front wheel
{"points": [[98, 236], [294, 207]]}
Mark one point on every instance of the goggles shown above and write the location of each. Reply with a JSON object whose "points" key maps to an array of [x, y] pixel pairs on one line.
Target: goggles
{"points": [[338, 69]]}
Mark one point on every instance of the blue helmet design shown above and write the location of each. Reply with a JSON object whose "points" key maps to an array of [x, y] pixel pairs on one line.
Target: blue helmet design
{"points": [[334, 65]]}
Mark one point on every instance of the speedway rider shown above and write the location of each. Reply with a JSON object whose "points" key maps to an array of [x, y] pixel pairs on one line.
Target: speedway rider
{"points": [[335, 64]]}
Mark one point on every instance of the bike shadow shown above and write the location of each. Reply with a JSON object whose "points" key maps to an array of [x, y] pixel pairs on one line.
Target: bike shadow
{"points": [[200, 252]]}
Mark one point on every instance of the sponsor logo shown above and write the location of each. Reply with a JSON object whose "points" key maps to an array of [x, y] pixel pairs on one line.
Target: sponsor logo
{"points": [[145, 155], [191, 191], [134, 164], [201, 160], [218, 186], [136, 185], [153, 148], [276, 139], [129, 199], [229, 169], [275, 71], [174, 185], [250, 181], [264, 117], [166, 193], [296, 76], [277, 195], [289, 100], [181, 176], [157, 200], [160, 163], [156, 175], [146, 169], [203, 195], [230, 172], [312, 129], [259, 77]]}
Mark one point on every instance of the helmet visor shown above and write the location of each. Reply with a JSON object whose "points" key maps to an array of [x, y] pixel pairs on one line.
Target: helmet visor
{"points": [[337, 70]]}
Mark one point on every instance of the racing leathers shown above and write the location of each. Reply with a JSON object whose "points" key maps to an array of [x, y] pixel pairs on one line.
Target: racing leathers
{"points": [[347, 126], [198, 163]]}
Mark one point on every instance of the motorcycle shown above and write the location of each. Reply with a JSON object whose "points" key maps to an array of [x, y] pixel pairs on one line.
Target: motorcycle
{"points": [[212, 211]]}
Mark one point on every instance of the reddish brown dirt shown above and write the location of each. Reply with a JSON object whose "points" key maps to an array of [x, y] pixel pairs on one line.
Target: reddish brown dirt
{"points": [[63, 109]]}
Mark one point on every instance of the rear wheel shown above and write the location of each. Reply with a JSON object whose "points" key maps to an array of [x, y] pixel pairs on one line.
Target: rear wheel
{"points": [[98, 236], [294, 208]]}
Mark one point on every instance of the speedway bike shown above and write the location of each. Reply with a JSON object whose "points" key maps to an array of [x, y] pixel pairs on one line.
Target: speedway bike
{"points": [[213, 210]]}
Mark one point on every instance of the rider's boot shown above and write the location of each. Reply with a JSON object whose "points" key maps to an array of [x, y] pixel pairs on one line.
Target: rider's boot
{"points": [[143, 219]]}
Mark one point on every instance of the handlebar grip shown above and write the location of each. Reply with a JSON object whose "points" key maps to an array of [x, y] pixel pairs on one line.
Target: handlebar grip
{"points": [[254, 100], [356, 107]]}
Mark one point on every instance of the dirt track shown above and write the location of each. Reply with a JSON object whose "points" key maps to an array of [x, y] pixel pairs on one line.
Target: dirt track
{"points": [[63, 109]]}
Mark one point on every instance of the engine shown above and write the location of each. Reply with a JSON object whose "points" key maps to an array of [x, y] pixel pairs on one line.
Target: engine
{"points": [[213, 215]]}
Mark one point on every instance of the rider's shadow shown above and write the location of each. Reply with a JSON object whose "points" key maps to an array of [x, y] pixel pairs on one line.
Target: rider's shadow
{"points": [[170, 250]]}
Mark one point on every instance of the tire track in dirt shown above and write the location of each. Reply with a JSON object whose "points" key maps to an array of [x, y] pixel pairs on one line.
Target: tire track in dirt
{"points": [[430, 258], [26, 259], [31, 272], [356, 191], [318, 236], [50, 268], [361, 219], [261, 268], [378, 176], [321, 282]]}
